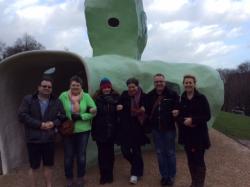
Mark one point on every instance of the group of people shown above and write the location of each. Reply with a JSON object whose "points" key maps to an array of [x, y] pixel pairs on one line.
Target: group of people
{"points": [[112, 118]]}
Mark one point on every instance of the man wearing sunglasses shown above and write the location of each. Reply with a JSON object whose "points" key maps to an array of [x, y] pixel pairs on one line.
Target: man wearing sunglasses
{"points": [[41, 113]]}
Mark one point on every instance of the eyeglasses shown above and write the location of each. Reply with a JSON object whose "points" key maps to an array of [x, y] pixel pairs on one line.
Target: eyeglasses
{"points": [[46, 86], [159, 81]]}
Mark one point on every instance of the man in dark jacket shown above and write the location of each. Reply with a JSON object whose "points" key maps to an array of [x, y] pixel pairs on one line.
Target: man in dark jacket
{"points": [[162, 107], [41, 113]]}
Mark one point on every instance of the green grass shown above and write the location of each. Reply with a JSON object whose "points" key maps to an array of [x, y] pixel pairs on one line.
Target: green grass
{"points": [[233, 125]]}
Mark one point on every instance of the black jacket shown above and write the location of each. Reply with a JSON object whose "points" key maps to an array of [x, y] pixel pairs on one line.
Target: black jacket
{"points": [[198, 109], [105, 122], [161, 118], [30, 115], [130, 131]]}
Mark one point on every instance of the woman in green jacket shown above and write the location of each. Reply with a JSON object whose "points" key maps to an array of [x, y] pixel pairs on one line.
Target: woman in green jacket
{"points": [[79, 108]]}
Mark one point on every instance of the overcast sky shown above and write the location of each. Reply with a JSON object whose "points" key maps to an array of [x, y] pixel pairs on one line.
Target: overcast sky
{"points": [[212, 32]]}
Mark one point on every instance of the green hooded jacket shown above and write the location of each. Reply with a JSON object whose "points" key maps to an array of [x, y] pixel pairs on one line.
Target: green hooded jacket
{"points": [[86, 102]]}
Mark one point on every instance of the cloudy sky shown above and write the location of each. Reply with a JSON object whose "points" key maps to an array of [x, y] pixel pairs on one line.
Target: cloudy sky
{"points": [[212, 32]]}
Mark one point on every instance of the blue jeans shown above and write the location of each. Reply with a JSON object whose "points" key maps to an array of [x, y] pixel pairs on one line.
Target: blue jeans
{"points": [[165, 149], [75, 146]]}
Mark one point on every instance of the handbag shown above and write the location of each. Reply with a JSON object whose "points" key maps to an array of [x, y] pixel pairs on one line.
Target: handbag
{"points": [[67, 128]]}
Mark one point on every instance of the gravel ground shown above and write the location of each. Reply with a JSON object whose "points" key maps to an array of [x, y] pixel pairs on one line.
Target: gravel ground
{"points": [[228, 165]]}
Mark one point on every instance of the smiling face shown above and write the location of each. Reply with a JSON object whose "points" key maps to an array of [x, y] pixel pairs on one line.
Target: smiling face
{"points": [[132, 89], [106, 90], [159, 83], [189, 85], [75, 87]]}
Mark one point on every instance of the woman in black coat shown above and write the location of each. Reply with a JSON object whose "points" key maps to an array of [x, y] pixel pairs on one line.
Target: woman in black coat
{"points": [[130, 133], [193, 130], [104, 129]]}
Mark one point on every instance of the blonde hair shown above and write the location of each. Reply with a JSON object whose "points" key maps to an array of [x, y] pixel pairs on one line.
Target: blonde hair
{"points": [[189, 76]]}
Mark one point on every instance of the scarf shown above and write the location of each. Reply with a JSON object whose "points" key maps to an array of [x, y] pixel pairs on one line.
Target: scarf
{"points": [[75, 102], [135, 106]]}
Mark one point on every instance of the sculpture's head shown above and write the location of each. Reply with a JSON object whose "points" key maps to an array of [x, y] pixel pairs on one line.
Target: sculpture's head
{"points": [[116, 27]]}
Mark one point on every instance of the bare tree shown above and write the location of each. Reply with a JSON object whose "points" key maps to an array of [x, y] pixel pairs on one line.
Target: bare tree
{"points": [[236, 85], [244, 67], [26, 43], [2, 48]]}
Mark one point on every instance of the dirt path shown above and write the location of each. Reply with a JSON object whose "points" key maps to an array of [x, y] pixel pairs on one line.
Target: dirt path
{"points": [[228, 165]]}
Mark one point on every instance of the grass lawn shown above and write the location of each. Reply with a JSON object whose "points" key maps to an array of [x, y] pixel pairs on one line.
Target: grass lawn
{"points": [[233, 125]]}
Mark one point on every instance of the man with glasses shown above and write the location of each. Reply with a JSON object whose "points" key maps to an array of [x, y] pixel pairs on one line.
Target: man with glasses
{"points": [[162, 107], [41, 113]]}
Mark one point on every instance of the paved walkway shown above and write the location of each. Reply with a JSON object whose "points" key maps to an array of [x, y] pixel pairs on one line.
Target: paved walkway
{"points": [[228, 165]]}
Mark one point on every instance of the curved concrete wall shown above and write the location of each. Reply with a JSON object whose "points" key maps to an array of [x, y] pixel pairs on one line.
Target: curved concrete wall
{"points": [[20, 75]]}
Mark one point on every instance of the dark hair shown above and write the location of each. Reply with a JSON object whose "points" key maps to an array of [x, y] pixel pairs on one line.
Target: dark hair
{"points": [[99, 93], [76, 79], [46, 78], [159, 75], [132, 81], [190, 77]]}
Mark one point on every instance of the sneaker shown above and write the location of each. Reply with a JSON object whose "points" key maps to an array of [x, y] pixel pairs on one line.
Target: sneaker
{"points": [[133, 179]]}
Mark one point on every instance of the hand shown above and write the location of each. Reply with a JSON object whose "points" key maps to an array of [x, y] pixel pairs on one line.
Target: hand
{"points": [[175, 113], [93, 111], [142, 109], [43, 126], [47, 125], [75, 117], [119, 107], [188, 122]]}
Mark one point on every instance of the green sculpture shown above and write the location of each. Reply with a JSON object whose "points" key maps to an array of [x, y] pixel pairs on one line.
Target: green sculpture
{"points": [[118, 34], [116, 27], [126, 41]]}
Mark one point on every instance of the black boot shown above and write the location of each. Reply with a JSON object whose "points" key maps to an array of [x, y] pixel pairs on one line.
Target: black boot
{"points": [[192, 170], [200, 176]]}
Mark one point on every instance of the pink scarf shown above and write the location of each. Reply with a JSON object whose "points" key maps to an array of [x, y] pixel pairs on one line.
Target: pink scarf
{"points": [[75, 102]]}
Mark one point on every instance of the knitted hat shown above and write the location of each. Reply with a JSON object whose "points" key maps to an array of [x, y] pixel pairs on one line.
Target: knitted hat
{"points": [[105, 83]]}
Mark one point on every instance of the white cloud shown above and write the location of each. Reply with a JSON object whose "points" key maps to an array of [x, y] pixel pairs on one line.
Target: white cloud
{"points": [[36, 13], [178, 30], [207, 31], [230, 10], [214, 48], [235, 32], [24, 3], [167, 5], [175, 26]]}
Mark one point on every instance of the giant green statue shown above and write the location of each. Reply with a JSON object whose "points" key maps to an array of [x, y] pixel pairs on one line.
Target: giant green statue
{"points": [[117, 33]]}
